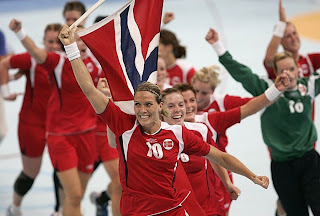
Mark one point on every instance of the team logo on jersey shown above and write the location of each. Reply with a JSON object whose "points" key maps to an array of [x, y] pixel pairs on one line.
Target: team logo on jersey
{"points": [[302, 89], [184, 157], [167, 144], [152, 140]]}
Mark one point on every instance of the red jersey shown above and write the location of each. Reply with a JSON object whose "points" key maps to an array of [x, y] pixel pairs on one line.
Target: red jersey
{"points": [[180, 72], [202, 181], [37, 91], [222, 103], [308, 64], [147, 163], [69, 111]]}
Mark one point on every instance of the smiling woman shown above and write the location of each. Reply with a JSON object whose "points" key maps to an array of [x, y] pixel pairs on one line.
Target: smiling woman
{"points": [[148, 149]]}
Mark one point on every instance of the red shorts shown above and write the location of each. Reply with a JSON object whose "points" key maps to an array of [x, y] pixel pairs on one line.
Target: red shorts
{"points": [[103, 150], [32, 139], [69, 151]]}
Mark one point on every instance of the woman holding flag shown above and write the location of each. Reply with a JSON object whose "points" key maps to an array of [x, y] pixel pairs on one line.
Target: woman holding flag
{"points": [[147, 168]]}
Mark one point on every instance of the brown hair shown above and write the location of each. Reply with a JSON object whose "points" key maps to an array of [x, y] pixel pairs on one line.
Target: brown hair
{"points": [[168, 91], [56, 27], [183, 87], [279, 56], [74, 5], [53, 27], [150, 87], [164, 111], [167, 38], [207, 75]]}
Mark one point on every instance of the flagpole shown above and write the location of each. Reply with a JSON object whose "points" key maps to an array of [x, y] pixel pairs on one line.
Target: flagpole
{"points": [[86, 14]]}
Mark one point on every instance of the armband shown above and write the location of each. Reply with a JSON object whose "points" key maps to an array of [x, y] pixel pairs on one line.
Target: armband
{"points": [[21, 34], [72, 51], [279, 29], [272, 93], [219, 48]]}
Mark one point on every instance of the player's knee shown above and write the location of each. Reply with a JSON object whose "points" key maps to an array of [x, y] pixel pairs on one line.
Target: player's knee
{"points": [[74, 199], [23, 184]]}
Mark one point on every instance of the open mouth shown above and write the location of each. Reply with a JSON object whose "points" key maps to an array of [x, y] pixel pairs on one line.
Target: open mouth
{"points": [[177, 117], [189, 111], [144, 116]]}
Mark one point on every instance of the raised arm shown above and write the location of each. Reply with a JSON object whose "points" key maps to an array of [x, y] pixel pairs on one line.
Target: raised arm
{"points": [[234, 165], [38, 53], [168, 17], [240, 72], [278, 33], [271, 94], [98, 100]]}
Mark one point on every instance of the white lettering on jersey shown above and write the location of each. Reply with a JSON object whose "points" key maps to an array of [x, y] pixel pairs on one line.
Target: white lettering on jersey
{"points": [[155, 150], [296, 106]]}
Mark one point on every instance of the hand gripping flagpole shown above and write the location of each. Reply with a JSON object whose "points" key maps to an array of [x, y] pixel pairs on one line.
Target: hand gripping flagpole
{"points": [[86, 14]]}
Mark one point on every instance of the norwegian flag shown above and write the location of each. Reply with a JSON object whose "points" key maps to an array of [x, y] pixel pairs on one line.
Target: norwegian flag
{"points": [[126, 45]]}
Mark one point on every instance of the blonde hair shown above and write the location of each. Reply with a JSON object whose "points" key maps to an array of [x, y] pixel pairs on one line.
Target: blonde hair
{"points": [[208, 75], [278, 57]]}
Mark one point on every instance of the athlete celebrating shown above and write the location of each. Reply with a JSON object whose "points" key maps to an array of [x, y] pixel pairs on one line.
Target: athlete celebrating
{"points": [[147, 168], [287, 129]]}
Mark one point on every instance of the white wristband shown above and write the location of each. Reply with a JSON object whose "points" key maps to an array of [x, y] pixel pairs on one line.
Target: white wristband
{"points": [[5, 91], [279, 29], [219, 48], [21, 34], [72, 51], [272, 93]]}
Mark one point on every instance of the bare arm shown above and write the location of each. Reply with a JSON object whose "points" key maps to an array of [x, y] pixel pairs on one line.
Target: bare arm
{"points": [[4, 70], [4, 79], [234, 165], [258, 103], [38, 53], [275, 41], [224, 177], [98, 100]]}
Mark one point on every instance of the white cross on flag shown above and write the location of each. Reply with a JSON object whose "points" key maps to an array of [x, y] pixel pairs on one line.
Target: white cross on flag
{"points": [[126, 45]]}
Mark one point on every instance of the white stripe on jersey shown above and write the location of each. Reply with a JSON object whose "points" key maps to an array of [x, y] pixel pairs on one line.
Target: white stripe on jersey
{"points": [[185, 67], [201, 128], [126, 136], [58, 69], [33, 71], [177, 130], [203, 118], [220, 101]]}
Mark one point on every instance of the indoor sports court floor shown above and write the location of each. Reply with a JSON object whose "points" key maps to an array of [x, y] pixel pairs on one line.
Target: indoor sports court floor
{"points": [[244, 26]]}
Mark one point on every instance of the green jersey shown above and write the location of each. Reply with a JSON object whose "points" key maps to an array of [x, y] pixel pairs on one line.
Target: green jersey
{"points": [[287, 127]]}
